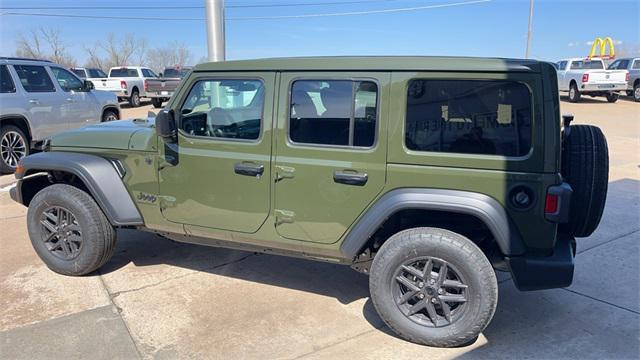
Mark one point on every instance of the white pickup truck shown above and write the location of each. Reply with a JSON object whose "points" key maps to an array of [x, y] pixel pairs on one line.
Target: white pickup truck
{"points": [[127, 82], [588, 76]]}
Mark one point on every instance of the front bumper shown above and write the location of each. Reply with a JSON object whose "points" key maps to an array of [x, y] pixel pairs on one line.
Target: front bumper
{"points": [[545, 272]]}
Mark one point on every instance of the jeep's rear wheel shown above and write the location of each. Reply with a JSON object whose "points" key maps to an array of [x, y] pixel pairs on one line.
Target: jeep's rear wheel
{"points": [[585, 166], [433, 286], [68, 230]]}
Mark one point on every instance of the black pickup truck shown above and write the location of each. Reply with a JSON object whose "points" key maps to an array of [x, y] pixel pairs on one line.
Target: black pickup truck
{"points": [[162, 88]]}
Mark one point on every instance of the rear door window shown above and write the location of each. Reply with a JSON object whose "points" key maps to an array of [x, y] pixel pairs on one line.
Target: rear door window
{"points": [[491, 117], [333, 112], [6, 82], [34, 78]]}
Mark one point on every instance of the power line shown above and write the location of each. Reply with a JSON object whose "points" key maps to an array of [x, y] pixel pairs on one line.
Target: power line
{"points": [[163, 7], [301, 16]]}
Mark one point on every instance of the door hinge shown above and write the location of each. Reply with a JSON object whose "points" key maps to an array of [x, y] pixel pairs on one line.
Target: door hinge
{"points": [[284, 217]]}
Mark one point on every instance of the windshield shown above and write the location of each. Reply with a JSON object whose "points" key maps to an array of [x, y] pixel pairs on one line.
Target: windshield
{"points": [[123, 72]]}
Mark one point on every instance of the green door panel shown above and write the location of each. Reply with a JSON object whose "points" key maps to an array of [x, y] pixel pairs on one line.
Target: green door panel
{"points": [[204, 188], [309, 204]]}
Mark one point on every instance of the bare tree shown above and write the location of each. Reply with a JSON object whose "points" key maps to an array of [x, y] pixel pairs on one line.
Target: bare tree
{"points": [[128, 50], [176, 54], [95, 60], [32, 46]]}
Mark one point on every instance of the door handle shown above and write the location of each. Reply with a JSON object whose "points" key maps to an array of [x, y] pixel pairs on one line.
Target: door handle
{"points": [[248, 169], [70, 100], [350, 178], [34, 101]]}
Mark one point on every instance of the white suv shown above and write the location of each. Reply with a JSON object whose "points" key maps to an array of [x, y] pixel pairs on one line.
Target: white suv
{"points": [[38, 99]]}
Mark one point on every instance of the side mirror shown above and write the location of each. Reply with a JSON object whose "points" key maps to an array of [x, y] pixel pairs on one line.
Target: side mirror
{"points": [[88, 85], [166, 126], [160, 75]]}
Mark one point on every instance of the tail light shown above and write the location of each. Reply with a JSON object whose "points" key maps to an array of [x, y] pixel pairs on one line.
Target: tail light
{"points": [[551, 204], [123, 84], [627, 77], [585, 78], [146, 86]]}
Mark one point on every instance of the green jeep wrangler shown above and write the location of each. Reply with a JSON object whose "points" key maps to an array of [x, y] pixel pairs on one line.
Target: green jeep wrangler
{"points": [[426, 173]]}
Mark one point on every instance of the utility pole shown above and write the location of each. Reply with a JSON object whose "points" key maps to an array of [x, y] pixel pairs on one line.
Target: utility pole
{"points": [[215, 29], [526, 54]]}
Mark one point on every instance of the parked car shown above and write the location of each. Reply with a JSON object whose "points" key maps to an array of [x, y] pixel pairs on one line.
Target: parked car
{"points": [[128, 83], [425, 173], [588, 76], [90, 74], [161, 89], [632, 65], [38, 99]]}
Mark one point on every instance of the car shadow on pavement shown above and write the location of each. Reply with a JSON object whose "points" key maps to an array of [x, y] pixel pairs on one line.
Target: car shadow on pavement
{"points": [[588, 100], [138, 249]]}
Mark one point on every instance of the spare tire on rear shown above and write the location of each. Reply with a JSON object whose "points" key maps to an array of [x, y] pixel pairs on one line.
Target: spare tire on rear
{"points": [[585, 166]]}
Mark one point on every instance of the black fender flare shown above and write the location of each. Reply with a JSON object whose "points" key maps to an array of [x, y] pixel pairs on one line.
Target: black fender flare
{"points": [[483, 207], [98, 174]]}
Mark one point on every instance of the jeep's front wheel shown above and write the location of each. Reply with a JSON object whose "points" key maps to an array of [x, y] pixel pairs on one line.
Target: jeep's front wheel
{"points": [[68, 230], [434, 287]]}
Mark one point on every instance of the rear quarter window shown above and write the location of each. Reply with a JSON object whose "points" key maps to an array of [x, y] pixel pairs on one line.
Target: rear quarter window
{"points": [[492, 117], [6, 83]]}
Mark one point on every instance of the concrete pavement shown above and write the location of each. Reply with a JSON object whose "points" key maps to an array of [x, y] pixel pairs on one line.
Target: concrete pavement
{"points": [[160, 299]]}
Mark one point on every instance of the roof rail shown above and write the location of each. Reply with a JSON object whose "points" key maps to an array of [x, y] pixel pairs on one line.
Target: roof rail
{"points": [[22, 58]]}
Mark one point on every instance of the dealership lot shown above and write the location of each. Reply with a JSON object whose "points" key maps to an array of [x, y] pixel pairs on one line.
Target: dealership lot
{"points": [[161, 299]]}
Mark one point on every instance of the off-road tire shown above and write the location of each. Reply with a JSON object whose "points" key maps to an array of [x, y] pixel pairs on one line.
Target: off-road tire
{"points": [[463, 255], [157, 102], [13, 131], [636, 92], [585, 166], [98, 236], [134, 99], [612, 97], [109, 115], [574, 93]]}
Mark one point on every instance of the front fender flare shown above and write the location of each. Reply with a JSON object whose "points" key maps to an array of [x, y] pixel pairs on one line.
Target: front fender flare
{"points": [[98, 175], [485, 208]]}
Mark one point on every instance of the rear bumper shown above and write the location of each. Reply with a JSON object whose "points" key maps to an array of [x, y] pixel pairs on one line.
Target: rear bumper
{"points": [[603, 87], [159, 94], [537, 273]]}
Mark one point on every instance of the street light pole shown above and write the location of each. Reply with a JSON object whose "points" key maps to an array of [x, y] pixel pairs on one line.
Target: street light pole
{"points": [[526, 54], [215, 29]]}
